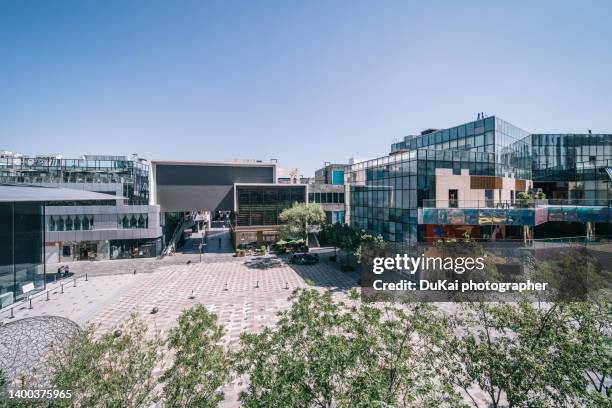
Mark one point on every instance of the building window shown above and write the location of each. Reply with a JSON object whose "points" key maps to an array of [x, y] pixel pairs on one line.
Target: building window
{"points": [[69, 223], [338, 177], [453, 198], [51, 224]]}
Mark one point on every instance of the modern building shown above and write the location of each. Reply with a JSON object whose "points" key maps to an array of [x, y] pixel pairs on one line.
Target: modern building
{"points": [[255, 217], [22, 234], [122, 226], [328, 191], [246, 192], [477, 179], [467, 180]]}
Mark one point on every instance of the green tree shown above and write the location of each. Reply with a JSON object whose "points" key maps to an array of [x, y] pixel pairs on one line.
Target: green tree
{"points": [[201, 365], [533, 356], [324, 353], [369, 246], [348, 241], [109, 371], [301, 218]]}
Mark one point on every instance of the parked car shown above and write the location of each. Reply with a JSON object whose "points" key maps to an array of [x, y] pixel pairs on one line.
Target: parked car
{"points": [[301, 258]]}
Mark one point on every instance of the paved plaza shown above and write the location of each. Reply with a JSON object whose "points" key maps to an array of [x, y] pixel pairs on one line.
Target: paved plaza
{"points": [[245, 293]]}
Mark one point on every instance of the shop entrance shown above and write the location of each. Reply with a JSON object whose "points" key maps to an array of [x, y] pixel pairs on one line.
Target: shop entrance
{"points": [[87, 251]]}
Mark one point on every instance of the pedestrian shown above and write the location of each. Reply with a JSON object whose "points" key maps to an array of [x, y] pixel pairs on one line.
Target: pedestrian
{"points": [[66, 270]]}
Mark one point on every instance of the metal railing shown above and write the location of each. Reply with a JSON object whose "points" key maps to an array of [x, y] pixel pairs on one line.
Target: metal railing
{"points": [[518, 203], [578, 202], [487, 203], [178, 232], [541, 241], [29, 300], [220, 224]]}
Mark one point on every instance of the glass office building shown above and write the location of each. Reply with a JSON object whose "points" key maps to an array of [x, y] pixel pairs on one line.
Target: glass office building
{"points": [[22, 235], [118, 227], [384, 195]]}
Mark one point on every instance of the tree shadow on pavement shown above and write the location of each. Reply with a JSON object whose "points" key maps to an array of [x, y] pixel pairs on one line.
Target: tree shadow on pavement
{"points": [[265, 263], [323, 275]]}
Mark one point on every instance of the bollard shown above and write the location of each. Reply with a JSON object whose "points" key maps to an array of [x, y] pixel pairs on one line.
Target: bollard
{"points": [[286, 285], [12, 315], [257, 284], [134, 273], [62, 286], [74, 282], [30, 304], [85, 277], [47, 296]]}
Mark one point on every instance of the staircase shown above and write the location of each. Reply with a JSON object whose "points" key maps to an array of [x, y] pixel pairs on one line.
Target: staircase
{"points": [[313, 240], [187, 222]]}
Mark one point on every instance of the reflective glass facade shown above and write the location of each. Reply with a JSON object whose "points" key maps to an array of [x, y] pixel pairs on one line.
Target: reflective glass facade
{"points": [[493, 135], [573, 166], [21, 248], [133, 174], [385, 193]]}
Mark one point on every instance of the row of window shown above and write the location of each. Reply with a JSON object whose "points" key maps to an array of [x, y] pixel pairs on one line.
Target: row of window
{"points": [[269, 196], [588, 150], [132, 221], [84, 222], [569, 140], [326, 198], [70, 223]]}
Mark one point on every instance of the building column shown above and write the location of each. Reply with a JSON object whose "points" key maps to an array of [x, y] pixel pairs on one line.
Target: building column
{"points": [[590, 230], [526, 234]]}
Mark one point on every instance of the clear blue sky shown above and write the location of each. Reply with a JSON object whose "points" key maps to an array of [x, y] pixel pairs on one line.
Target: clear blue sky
{"points": [[301, 81]]}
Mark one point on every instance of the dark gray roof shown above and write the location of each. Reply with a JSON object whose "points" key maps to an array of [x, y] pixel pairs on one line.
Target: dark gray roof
{"points": [[13, 193]]}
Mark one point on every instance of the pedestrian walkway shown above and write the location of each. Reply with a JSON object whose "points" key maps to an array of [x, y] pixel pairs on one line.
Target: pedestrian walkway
{"points": [[219, 241]]}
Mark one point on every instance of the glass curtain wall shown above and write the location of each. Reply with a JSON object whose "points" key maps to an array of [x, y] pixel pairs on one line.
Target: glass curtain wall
{"points": [[134, 175], [508, 143], [577, 163], [259, 205], [22, 248], [385, 193]]}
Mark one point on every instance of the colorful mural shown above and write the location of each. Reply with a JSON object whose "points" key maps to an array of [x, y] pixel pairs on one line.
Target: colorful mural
{"points": [[513, 216]]}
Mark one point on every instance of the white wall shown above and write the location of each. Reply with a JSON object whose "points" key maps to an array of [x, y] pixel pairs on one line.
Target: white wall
{"points": [[446, 180]]}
